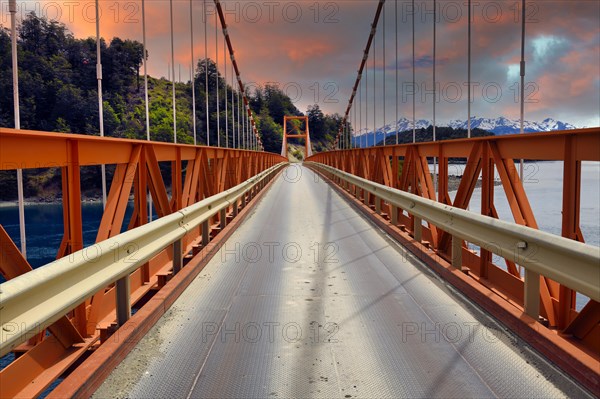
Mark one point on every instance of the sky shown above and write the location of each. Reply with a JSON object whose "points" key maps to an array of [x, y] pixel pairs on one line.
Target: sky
{"points": [[312, 50]]}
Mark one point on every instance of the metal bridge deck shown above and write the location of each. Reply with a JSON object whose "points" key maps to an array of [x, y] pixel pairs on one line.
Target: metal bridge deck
{"points": [[308, 299]]}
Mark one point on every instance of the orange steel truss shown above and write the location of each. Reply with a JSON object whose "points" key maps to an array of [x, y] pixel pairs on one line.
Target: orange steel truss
{"points": [[405, 167], [197, 173], [295, 132]]}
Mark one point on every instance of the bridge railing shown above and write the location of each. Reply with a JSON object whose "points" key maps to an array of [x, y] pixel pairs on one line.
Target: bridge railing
{"points": [[406, 168], [218, 179], [37, 299], [574, 264]]}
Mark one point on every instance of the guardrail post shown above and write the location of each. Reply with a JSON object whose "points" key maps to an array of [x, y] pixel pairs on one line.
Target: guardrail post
{"points": [[235, 208], [456, 252], [394, 215], [123, 300], [223, 218], [532, 294], [418, 229], [378, 205], [205, 233], [177, 256]]}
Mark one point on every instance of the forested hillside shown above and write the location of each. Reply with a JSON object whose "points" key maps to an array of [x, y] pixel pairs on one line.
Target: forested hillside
{"points": [[58, 92]]}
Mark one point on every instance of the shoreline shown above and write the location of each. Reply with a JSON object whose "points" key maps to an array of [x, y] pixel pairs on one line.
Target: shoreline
{"points": [[453, 183], [44, 201]]}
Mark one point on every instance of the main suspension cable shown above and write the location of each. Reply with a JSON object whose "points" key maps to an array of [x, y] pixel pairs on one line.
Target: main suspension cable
{"points": [[362, 66], [237, 71]]}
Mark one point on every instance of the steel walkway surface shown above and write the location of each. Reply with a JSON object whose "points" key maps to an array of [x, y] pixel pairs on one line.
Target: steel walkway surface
{"points": [[309, 299]]}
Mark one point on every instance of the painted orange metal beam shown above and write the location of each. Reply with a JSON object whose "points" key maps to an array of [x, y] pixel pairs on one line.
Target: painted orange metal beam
{"points": [[294, 132]]}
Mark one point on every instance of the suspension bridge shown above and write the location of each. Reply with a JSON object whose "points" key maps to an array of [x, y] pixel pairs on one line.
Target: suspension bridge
{"points": [[353, 274]]}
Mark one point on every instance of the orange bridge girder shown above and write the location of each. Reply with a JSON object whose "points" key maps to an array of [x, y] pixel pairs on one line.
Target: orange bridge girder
{"points": [[294, 131]]}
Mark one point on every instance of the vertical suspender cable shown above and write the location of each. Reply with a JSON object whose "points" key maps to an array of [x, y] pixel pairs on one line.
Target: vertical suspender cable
{"points": [[193, 74], [348, 135], [414, 89], [352, 125], [146, 71], [343, 128], [248, 138], [360, 115], [217, 80], [397, 82], [383, 80], [522, 73], [374, 93], [248, 144], [249, 128], [12, 8], [173, 73], [435, 174], [233, 109], [206, 74], [239, 110], [367, 101], [100, 102], [354, 130], [146, 93], [469, 71], [226, 107], [244, 141], [248, 131]]}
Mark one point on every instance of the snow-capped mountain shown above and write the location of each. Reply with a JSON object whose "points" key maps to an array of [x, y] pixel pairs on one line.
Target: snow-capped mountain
{"points": [[498, 126], [504, 125]]}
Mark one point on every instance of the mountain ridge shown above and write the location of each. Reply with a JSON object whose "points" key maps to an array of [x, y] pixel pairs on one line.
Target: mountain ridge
{"points": [[499, 126]]}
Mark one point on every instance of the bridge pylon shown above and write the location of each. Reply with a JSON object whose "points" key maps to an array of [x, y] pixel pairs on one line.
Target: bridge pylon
{"points": [[297, 132]]}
